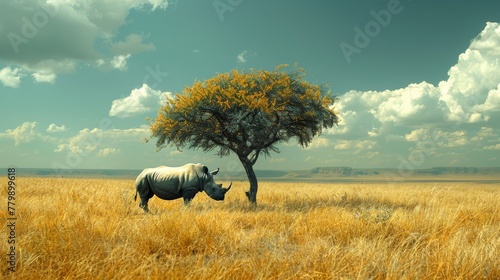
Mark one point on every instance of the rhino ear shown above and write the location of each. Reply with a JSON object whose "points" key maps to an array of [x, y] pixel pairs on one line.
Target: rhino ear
{"points": [[204, 169]]}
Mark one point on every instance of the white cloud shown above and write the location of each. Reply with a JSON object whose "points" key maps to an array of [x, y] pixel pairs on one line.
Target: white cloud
{"points": [[108, 151], [438, 138], [443, 121], [10, 77], [454, 139], [57, 35], [417, 135], [84, 142], [356, 145], [473, 83], [89, 140], [374, 113], [491, 104], [319, 142], [25, 133], [470, 95], [417, 103], [133, 43], [484, 133], [55, 128], [493, 147], [488, 40], [84, 149], [41, 77], [155, 4], [120, 62], [241, 57], [140, 101], [134, 133]]}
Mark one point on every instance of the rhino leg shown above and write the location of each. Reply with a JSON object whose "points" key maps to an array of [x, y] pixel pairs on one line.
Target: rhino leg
{"points": [[188, 195], [145, 192], [144, 204]]}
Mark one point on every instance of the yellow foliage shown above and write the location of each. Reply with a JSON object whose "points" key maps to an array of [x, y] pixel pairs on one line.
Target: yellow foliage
{"points": [[261, 90], [277, 97]]}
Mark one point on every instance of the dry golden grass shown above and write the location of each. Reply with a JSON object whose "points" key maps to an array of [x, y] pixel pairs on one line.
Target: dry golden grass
{"points": [[92, 229]]}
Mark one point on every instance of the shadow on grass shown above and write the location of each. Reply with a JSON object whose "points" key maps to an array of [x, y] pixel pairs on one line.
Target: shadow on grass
{"points": [[369, 208]]}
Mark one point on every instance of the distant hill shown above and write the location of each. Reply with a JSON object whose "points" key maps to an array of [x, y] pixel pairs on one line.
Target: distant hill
{"points": [[334, 174], [350, 172], [394, 174]]}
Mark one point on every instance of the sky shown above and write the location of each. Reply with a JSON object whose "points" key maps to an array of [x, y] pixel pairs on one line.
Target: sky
{"points": [[418, 81]]}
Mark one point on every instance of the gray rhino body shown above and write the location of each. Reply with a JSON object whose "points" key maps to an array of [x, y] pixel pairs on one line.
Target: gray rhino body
{"points": [[175, 182]]}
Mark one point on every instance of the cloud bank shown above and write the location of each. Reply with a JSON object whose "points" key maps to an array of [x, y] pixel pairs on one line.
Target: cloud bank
{"points": [[98, 140], [25, 133], [456, 113], [51, 37]]}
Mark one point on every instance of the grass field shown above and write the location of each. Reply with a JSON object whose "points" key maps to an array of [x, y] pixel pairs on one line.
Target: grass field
{"points": [[92, 229]]}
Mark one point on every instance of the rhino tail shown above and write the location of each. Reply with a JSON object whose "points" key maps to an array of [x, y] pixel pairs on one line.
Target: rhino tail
{"points": [[135, 197]]}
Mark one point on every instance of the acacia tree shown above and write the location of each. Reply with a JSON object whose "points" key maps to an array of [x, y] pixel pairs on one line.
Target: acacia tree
{"points": [[247, 113]]}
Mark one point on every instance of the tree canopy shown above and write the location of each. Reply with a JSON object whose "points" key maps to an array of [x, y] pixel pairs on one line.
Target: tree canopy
{"points": [[247, 113]]}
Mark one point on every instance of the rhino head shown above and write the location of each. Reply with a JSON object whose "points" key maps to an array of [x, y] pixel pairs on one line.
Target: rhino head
{"points": [[215, 191]]}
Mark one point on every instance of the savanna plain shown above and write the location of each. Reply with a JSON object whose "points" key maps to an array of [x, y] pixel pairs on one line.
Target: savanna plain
{"points": [[74, 228]]}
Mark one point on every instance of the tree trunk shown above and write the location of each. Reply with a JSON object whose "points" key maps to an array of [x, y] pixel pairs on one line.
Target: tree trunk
{"points": [[252, 178]]}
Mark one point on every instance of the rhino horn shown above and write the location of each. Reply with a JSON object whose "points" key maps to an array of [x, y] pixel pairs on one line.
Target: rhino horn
{"points": [[228, 188], [215, 171]]}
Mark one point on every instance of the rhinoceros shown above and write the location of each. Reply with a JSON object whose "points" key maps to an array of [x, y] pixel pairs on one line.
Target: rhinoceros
{"points": [[175, 182]]}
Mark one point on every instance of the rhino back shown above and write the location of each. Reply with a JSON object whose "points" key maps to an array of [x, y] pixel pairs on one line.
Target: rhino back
{"points": [[170, 182]]}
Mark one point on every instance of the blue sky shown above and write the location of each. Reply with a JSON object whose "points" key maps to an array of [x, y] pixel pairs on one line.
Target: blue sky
{"points": [[418, 81]]}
